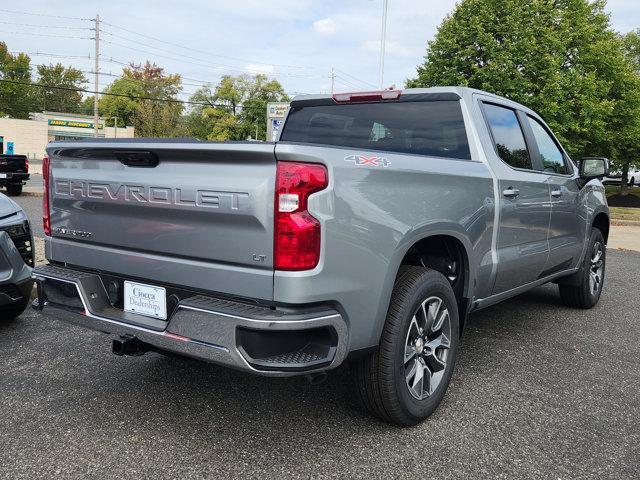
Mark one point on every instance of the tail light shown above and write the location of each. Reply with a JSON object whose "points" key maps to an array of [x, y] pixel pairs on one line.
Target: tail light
{"points": [[46, 213], [297, 232], [26, 165]]}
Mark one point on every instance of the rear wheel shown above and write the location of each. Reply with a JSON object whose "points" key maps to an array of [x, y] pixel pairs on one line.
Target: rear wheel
{"points": [[586, 293], [14, 190], [405, 379]]}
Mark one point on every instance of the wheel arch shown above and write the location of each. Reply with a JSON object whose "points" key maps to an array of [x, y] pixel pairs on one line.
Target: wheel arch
{"points": [[602, 223], [419, 239]]}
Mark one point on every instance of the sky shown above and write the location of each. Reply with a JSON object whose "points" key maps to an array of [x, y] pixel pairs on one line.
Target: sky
{"points": [[298, 42]]}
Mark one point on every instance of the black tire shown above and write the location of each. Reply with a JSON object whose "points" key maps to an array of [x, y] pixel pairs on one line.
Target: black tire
{"points": [[14, 190], [380, 377], [14, 311], [581, 293]]}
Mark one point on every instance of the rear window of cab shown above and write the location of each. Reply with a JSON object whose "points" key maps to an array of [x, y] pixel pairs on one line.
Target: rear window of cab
{"points": [[434, 128]]}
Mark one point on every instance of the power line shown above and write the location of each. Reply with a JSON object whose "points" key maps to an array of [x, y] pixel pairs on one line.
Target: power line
{"points": [[45, 26], [128, 64], [202, 51], [346, 82], [137, 97], [42, 15], [210, 65], [31, 34], [55, 55], [120, 77], [356, 78]]}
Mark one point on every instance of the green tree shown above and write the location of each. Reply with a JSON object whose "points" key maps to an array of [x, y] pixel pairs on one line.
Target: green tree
{"points": [[146, 98], [559, 57], [56, 99], [86, 106], [16, 99], [254, 108], [631, 45], [630, 128], [235, 109]]}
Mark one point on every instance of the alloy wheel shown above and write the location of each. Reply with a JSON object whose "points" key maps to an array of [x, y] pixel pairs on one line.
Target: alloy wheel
{"points": [[596, 268], [426, 347]]}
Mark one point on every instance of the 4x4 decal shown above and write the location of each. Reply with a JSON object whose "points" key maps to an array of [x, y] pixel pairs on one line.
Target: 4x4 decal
{"points": [[361, 160]]}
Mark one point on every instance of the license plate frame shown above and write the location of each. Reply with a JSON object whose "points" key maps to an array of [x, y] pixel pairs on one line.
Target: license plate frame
{"points": [[145, 299]]}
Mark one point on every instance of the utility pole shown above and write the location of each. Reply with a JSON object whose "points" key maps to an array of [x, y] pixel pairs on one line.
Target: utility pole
{"points": [[383, 41], [96, 118], [333, 80]]}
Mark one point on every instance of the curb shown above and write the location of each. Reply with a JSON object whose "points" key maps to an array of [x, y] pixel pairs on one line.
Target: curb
{"points": [[31, 193], [624, 223]]}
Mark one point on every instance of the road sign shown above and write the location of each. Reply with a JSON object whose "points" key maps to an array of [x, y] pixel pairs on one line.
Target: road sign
{"points": [[276, 112]]}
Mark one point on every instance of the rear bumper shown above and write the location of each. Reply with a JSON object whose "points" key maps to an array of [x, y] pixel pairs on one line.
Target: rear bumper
{"points": [[244, 336], [13, 177]]}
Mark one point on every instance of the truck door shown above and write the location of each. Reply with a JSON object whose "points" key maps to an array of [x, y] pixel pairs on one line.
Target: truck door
{"points": [[524, 201], [568, 222]]}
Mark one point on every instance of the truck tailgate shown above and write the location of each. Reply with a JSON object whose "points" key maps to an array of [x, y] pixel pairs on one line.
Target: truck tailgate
{"points": [[13, 163], [192, 214]]}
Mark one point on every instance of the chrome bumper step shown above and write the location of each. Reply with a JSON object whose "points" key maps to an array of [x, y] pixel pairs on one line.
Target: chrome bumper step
{"points": [[256, 338]]}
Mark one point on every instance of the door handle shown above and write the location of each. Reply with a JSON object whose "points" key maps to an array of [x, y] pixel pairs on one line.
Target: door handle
{"points": [[511, 192], [556, 193]]}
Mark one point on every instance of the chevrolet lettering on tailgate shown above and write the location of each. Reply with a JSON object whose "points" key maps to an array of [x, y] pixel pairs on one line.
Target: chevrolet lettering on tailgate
{"points": [[231, 201]]}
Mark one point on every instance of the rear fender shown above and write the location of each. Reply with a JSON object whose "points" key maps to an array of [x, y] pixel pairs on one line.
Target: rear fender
{"points": [[411, 238]]}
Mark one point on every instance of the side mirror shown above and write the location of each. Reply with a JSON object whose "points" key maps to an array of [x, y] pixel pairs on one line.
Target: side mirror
{"points": [[594, 167]]}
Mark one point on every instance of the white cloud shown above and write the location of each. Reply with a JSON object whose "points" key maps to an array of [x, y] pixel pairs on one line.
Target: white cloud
{"points": [[325, 27], [392, 48]]}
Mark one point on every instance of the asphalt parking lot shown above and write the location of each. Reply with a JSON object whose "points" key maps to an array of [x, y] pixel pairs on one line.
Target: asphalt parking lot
{"points": [[540, 391]]}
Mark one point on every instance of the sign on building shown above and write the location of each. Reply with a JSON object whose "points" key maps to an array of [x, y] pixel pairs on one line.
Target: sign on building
{"points": [[55, 122], [276, 112]]}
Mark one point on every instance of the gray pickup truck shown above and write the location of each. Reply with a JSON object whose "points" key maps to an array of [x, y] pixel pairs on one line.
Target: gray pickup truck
{"points": [[367, 233]]}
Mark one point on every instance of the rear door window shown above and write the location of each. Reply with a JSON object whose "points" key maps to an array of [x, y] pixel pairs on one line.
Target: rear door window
{"points": [[422, 128], [507, 136]]}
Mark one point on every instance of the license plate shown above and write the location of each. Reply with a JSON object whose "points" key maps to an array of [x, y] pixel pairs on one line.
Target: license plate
{"points": [[3, 175], [145, 300]]}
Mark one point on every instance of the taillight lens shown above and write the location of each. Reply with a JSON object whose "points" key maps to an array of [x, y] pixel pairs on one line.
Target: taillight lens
{"points": [[26, 165], [46, 214], [297, 232], [377, 96]]}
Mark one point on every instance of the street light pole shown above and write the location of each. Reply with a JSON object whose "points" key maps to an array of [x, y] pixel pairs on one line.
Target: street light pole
{"points": [[96, 118], [383, 41], [333, 80]]}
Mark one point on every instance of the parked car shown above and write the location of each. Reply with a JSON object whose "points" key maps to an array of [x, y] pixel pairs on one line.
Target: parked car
{"points": [[366, 234], [14, 173], [16, 259], [615, 178]]}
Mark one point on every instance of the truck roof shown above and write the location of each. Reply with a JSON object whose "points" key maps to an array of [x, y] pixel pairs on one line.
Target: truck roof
{"points": [[415, 94]]}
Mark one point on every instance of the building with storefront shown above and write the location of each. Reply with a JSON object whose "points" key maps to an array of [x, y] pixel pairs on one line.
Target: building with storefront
{"points": [[30, 137]]}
